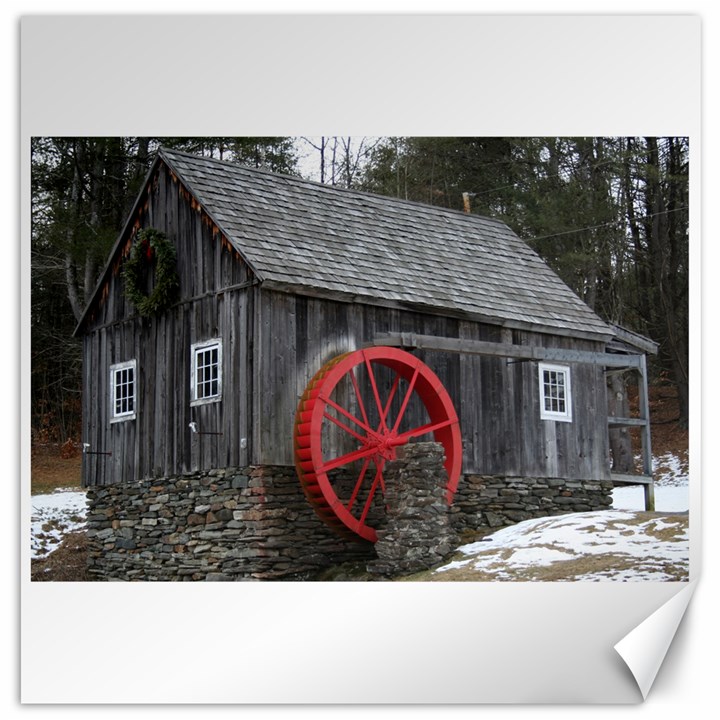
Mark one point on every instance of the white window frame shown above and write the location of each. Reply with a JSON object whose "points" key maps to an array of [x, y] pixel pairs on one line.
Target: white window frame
{"points": [[196, 350], [115, 370], [564, 370]]}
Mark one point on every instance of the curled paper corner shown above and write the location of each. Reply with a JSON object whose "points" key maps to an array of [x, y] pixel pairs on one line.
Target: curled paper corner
{"points": [[644, 648]]}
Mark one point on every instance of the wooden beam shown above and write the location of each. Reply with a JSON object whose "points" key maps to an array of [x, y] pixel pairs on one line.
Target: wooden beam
{"points": [[507, 350], [644, 400], [631, 479], [628, 338], [649, 491], [626, 422]]}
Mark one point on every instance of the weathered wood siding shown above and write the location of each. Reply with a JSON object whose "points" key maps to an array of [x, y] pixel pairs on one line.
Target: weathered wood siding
{"points": [[297, 335], [497, 400], [159, 440], [502, 429]]}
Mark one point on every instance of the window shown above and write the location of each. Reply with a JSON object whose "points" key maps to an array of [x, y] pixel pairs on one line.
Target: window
{"points": [[206, 373], [555, 396], [122, 391]]}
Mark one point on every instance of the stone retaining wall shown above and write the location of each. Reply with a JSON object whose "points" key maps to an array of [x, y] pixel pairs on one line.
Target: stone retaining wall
{"points": [[256, 524], [485, 503], [231, 524]]}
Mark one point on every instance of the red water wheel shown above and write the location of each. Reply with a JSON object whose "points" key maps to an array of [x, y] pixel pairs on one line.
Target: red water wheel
{"points": [[354, 414]]}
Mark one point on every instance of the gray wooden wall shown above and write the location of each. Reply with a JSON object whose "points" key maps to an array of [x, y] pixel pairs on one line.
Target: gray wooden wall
{"points": [[159, 441], [497, 401]]}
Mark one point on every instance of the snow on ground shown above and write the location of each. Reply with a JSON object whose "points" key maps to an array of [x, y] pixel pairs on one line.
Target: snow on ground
{"points": [[624, 543], [671, 487], [619, 544], [54, 515], [608, 545]]}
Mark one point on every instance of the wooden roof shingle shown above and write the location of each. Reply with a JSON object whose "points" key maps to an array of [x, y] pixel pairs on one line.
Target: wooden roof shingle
{"points": [[306, 237]]}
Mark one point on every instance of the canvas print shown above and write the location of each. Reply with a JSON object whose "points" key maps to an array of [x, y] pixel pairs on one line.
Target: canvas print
{"points": [[360, 359]]}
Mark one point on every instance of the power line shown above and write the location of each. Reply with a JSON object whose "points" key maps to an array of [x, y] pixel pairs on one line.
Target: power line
{"points": [[612, 222]]}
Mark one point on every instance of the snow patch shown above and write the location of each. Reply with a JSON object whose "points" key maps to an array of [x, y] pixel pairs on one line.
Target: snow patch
{"points": [[649, 548], [545, 541], [53, 516]]}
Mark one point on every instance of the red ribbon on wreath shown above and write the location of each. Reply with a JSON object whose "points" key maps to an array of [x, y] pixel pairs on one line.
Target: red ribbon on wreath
{"points": [[146, 247]]}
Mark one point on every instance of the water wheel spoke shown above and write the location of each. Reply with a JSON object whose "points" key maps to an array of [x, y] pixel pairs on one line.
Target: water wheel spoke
{"points": [[380, 465], [346, 459], [422, 430], [361, 404], [376, 394], [358, 484], [406, 399], [344, 427], [391, 395], [373, 488], [346, 413]]}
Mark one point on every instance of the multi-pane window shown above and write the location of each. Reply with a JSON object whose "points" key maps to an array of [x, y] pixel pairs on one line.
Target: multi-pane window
{"points": [[122, 390], [555, 397], [206, 376]]}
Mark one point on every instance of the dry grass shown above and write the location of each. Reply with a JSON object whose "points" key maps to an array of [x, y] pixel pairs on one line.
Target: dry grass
{"points": [[66, 564], [606, 565], [53, 467]]}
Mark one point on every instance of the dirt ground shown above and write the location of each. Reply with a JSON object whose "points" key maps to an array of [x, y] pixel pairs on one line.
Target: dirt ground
{"points": [[67, 563], [54, 466], [667, 435]]}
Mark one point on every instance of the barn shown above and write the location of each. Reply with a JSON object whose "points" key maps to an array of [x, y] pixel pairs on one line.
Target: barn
{"points": [[234, 298]]}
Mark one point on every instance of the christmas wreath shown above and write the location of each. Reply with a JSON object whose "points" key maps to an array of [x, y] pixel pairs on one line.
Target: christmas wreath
{"points": [[151, 245]]}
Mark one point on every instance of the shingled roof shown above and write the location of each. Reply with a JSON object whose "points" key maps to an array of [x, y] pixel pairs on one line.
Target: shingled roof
{"points": [[310, 238]]}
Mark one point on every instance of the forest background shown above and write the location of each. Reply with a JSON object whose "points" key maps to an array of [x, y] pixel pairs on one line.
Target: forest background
{"points": [[609, 214]]}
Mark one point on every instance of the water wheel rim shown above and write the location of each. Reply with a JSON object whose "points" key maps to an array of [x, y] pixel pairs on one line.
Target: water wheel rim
{"points": [[376, 445]]}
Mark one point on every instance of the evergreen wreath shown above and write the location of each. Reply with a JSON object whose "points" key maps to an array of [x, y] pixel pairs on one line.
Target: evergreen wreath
{"points": [[151, 245]]}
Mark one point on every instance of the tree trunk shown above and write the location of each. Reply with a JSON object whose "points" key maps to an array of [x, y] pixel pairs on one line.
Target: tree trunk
{"points": [[72, 287], [71, 278], [666, 251]]}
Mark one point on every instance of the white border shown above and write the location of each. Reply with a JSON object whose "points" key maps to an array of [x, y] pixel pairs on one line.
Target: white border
{"points": [[447, 104]]}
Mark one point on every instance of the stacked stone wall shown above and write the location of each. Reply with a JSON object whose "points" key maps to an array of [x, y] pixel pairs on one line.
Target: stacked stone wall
{"points": [[483, 504], [229, 524], [256, 524], [417, 533]]}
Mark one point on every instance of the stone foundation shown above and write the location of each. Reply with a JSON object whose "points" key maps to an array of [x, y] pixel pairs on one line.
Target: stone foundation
{"points": [[230, 524], [483, 504], [256, 524]]}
